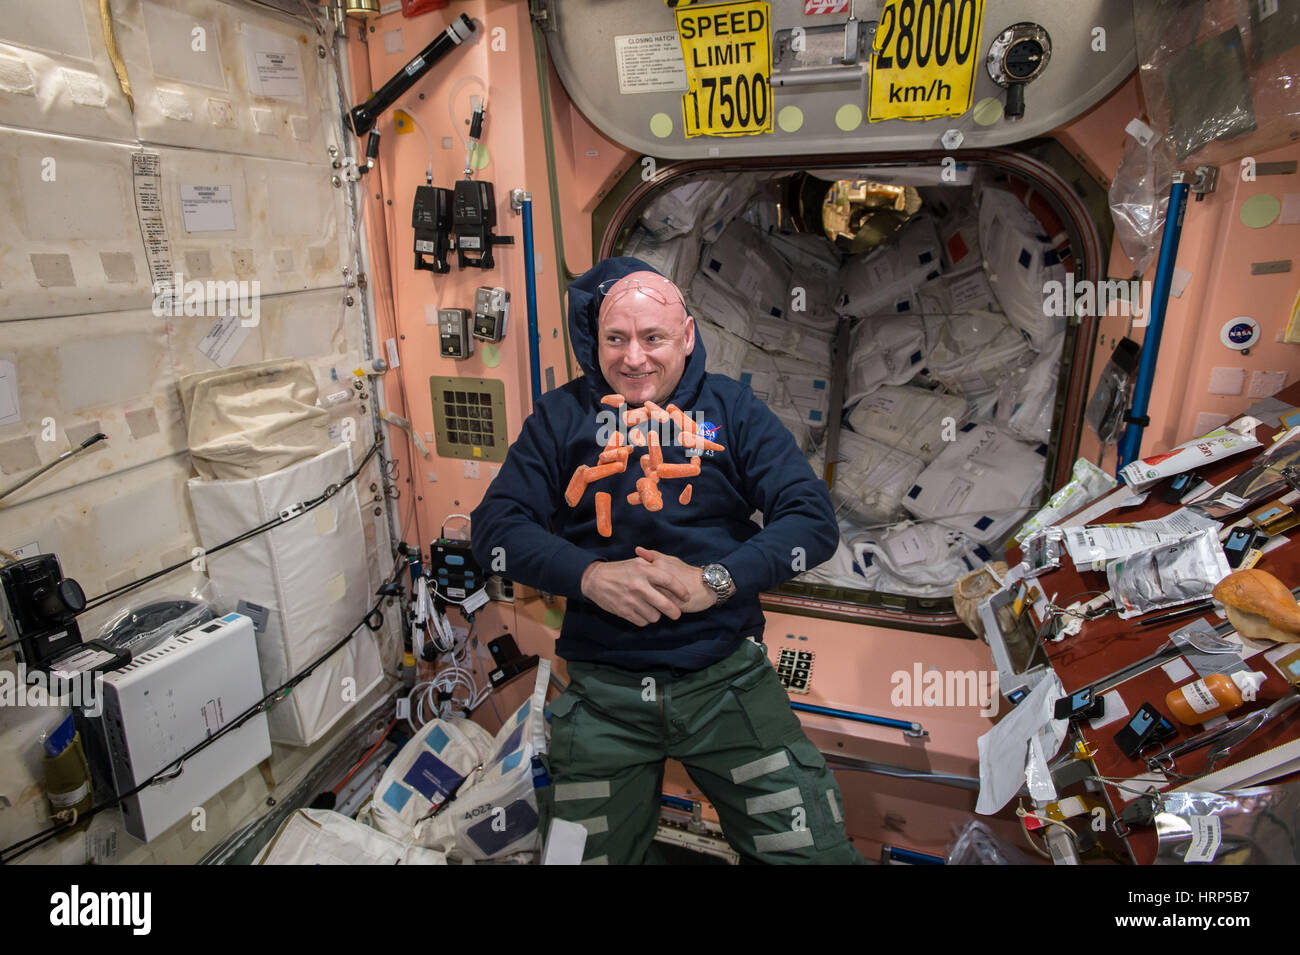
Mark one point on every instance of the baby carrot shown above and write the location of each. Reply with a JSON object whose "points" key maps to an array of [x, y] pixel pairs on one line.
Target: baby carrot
{"points": [[655, 412], [615, 440], [656, 452], [616, 401], [610, 455], [634, 497], [577, 485], [650, 495], [604, 521], [604, 471], [635, 417], [691, 440], [686, 495], [689, 469], [637, 438]]}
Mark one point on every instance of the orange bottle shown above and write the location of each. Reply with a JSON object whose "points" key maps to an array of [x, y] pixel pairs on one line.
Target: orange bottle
{"points": [[1217, 694]]}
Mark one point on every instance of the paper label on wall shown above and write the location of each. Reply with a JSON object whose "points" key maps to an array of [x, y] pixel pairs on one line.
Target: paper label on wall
{"points": [[207, 208], [1207, 836], [274, 67], [147, 181], [9, 413], [727, 49], [920, 70], [223, 340], [390, 346], [649, 63]]}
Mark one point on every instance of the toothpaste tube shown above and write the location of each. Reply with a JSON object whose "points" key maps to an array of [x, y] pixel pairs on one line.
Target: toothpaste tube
{"points": [[1219, 443]]}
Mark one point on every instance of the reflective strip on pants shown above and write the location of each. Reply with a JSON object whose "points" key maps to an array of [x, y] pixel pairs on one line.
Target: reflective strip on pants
{"points": [[760, 767], [568, 791], [784, 841], [786, 799]]}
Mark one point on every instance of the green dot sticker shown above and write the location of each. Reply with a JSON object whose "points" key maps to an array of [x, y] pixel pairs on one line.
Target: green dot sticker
{"points": [[491, 355], [1261, 210], [790, 119], [661, 124], [552, 618], [987, 111], [480, 157], [848, 117]]}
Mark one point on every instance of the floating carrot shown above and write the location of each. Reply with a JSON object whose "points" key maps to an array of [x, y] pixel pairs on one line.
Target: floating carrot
{"points": [[604, 471], [635, 417], [610, 455], [645, 465], [655, 412], [650, 496], [637, 438], [690, 469], [686, 495], [615, 440], [616, 401], [675, 413], [577, 485], [691, 440], [604, 521], [656, 452], [634, 497]]}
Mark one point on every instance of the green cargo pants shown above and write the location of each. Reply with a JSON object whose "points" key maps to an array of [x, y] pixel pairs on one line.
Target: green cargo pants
{"points": [[729, 724]]}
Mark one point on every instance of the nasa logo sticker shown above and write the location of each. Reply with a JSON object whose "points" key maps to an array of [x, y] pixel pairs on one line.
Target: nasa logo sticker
{"points": [[1240, 333], [708, 430]]}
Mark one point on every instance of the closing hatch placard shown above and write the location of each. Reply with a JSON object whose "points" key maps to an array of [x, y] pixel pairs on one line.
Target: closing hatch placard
{"points": [[727, 49], [923, 59]]}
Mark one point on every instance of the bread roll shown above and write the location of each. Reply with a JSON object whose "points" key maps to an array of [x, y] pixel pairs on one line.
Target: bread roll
{"points": [[1260, 606]]}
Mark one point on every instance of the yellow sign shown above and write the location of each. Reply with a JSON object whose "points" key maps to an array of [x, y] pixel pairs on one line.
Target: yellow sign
{"points": [[728, 52], [924, 58]]}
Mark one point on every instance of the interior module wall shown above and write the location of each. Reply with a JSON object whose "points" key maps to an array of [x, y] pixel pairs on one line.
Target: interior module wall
{"points": [[84, 347]]}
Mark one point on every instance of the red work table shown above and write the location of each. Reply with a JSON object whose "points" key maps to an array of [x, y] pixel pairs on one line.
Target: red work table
{"points": [[1108, 644]]}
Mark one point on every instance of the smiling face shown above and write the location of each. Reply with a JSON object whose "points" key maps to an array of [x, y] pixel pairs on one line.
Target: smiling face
{"points": [[644, 337]]}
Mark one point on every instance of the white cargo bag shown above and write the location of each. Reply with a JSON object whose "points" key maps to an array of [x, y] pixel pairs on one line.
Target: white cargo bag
{"points": [[495, 814], [309, 573], [724, 353], [975, 351], [813, 259], [678, 210], [325, 837], [781, 380], [870, 479], [874, 281], [885, 349], [957, 292], [675, 258], [1019, 260], [727, 204], [1030, 396], [983, 484], [429, 767], [721, 306], [924, 559], [743, 264], [909, 418], [842, 570], [814, 306]]}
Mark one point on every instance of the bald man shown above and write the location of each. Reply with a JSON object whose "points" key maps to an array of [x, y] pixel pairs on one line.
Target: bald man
{"points": [[662, 633]]}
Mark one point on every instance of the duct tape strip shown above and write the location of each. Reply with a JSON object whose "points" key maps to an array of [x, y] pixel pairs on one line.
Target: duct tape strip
{"points": [[147, 174]]}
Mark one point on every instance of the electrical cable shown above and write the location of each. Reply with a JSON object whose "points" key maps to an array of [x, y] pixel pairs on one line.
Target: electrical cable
{"points": [[252, 532], [361, 762], [268, 700]]}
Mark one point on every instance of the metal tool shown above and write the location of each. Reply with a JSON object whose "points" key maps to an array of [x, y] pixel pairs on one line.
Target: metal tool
{"points": [[1222, 739]]}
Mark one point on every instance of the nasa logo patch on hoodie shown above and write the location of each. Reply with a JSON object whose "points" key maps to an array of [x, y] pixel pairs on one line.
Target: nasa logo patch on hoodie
{"points": [[709, 431]]}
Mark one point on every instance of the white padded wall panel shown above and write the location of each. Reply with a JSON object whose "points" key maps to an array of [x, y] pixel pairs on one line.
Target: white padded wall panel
{"points": [[55, 75], [251, 90]]}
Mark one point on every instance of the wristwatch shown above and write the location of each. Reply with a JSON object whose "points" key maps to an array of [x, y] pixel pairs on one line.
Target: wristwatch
{"points": [[718, 579]]}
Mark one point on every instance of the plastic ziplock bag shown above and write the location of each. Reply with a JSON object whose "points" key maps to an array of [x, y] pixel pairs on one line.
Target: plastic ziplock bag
{"points": [[1139, 194], [1255, 826], [1260, 482], [1168, 574], [1087, 483], [1220, 443], [142, 626], [1105, 411], [978, 845], [1043, 551]]}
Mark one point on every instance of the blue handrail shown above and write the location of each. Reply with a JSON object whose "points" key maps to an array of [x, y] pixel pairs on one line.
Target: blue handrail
{"points": [[530, 288], [1131, 442]]}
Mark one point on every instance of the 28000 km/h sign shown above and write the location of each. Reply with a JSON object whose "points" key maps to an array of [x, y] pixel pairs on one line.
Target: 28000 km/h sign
{"points": [[923, 59], [728, 53]]}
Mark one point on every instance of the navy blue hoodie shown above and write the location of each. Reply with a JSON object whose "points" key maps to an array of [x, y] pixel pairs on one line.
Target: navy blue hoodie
{"points": [[548, 544]]}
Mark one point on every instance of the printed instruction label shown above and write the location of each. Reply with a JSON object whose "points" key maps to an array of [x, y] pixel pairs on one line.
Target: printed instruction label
{"points": [[273, 65], [1207, 836], [207, 208], [649, 63], [906, 548], [223, 340], [9, 411], [146, 171]]}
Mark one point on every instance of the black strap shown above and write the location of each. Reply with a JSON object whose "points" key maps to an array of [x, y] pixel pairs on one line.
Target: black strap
{"points": [[1144, 421]]}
